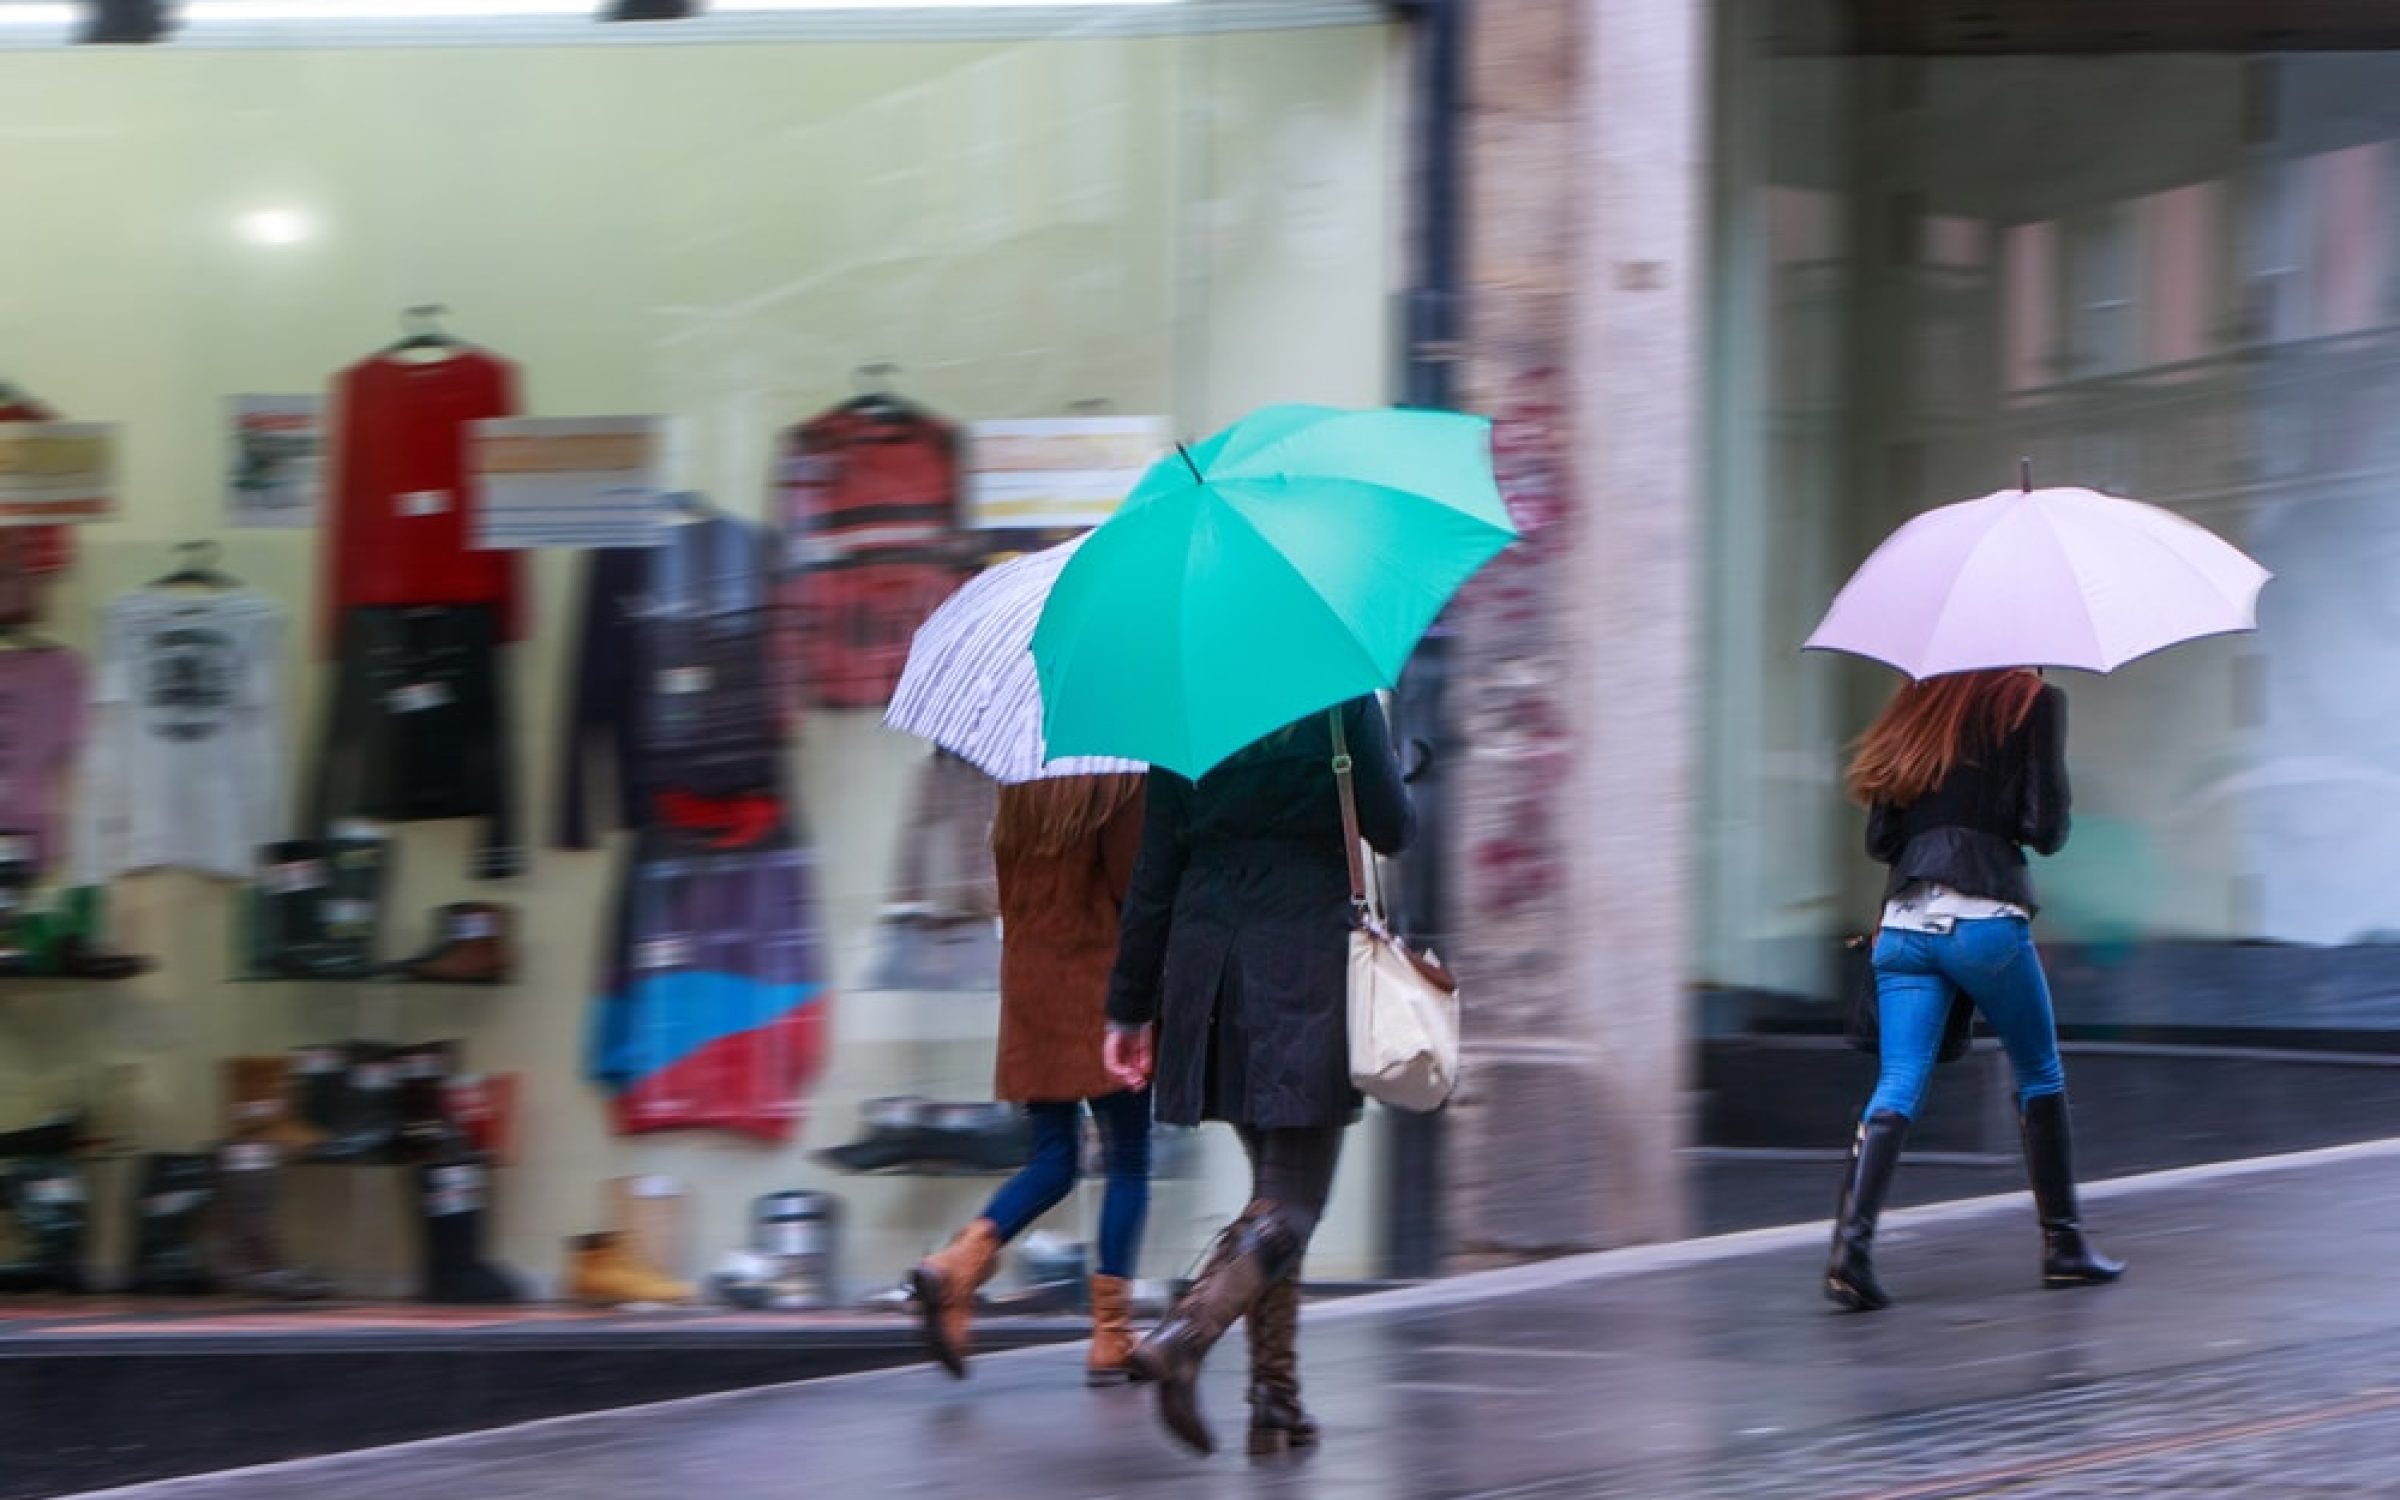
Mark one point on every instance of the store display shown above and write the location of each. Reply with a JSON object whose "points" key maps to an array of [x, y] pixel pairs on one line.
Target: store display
{"points": [[418, 730], [184, 769], [426, 1132], [58, 1135], [796, 1235], [31, 551], [318, 905], [53, 934], [939, 930], [672, 692], [653, 1215], [172, 1200], [453, 1195], [870, 505], [603, 1271], [712, 1017], [259, 1093], [473, 943], [399, 530], [250, 1257], [367, 1112], [278, 471], [483, 1109], [920, 1137], [42, 697], [47, 1197]]}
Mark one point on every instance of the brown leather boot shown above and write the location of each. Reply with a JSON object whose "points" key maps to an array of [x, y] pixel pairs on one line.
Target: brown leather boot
{"points": [[472, 945], [1259, 1250], [945, 1284], [1112, 1332], [1278, 1422], [258, 1094]]}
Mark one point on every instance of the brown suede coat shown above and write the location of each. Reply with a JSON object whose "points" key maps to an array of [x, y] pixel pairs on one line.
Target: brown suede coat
{"points": [[1058, 941]]}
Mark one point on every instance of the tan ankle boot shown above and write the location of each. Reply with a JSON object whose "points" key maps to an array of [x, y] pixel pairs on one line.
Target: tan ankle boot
{"points": [[1278, 1422], [1112, 1332], [945, 1284]]}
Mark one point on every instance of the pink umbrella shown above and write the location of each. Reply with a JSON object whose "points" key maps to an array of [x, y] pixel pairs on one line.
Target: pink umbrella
{"points": [[2040, 578]]}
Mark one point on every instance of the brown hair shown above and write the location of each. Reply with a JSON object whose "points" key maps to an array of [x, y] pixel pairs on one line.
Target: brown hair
{"points": [[1929, 727], [1053, 815]]}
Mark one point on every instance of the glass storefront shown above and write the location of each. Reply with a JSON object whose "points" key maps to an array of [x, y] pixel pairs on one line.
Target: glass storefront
{"points": [[2170, 275], [285, 263]]}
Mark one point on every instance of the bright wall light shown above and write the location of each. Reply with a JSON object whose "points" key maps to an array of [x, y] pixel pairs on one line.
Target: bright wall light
{"points": [[45, 15], [276, 226], [256, 12]]}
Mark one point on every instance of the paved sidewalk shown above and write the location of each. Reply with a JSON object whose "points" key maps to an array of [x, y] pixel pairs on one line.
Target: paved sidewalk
{"points": [[2254, 1351]]}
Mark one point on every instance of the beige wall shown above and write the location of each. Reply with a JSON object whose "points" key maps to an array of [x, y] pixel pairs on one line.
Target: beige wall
{"points": [[1190, 226]]}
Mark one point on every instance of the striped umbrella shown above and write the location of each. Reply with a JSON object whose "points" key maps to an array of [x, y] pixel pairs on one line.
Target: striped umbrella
{"points": [[970, 684]]}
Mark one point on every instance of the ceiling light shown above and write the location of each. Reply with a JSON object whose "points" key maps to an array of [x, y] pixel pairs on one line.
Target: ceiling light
{"points": [[652, 10], [126, 22], [277, 226]]}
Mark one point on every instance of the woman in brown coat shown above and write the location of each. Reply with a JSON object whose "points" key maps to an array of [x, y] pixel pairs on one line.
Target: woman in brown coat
{"points": [[1065, 849]]}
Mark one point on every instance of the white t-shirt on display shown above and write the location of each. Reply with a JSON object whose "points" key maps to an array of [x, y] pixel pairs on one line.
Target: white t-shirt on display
{"points": [[184, 770]]}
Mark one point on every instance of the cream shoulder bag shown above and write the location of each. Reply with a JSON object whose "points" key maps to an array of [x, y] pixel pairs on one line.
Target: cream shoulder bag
{"points": [[1403, 1004]]}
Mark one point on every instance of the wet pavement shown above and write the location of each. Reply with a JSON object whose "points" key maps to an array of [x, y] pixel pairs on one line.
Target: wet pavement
{"points": [[2253, 1351]]}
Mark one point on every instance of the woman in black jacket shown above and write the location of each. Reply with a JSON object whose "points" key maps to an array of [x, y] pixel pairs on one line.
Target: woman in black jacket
{"points": [[1961, 774], [1231, 989]]}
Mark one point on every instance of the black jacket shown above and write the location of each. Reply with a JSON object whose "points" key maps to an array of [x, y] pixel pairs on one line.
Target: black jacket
{"points": [[1971, 832], [1235, 937]]}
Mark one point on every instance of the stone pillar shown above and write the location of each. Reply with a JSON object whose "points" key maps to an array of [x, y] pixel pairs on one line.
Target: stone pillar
{"points": [[1577, 653]]}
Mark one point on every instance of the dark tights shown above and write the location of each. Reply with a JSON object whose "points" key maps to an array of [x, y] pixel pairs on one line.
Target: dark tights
{"points": [[1293, 1171]]}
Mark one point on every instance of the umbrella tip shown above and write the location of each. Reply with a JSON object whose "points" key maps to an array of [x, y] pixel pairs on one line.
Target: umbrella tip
{"points": [[2025, 475], [1186, 452]]}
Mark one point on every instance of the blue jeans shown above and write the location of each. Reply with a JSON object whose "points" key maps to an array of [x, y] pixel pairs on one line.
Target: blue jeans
{"points": [[1993, 961], [1049, 1174]]}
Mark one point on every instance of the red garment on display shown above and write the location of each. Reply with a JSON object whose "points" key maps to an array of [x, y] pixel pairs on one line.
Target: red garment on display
{"points": [[38, 551], [870, 495], [401, 530]]}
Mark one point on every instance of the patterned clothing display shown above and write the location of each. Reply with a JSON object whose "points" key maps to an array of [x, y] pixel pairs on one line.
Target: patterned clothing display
{"points": [[870, 496], [35, 551], [711, 1014], [672, 691], [400, 527], [41, 730], [185, 769], [713, 1011]]}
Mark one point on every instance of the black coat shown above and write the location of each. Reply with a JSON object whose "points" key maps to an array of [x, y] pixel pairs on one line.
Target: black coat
{"points": [[1235, 937], [1970, 832]]}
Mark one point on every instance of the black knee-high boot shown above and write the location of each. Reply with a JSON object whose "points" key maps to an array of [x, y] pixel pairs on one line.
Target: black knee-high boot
{"points": [[1850, 1267], [2068, 1259]]}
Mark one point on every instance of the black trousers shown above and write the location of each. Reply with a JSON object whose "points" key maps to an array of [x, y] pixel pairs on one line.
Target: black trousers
{"points": [[418, 732], [1292, 1171]]}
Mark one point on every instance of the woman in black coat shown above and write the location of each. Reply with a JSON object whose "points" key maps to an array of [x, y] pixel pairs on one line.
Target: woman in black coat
{"points": [[1231, 996]]}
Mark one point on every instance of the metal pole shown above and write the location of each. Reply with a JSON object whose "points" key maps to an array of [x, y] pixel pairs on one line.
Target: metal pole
{"points": [[1415, 1236]]}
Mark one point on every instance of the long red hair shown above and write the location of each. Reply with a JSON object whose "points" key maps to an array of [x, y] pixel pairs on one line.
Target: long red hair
{"points": [[1053, 815], [1930, 727]]}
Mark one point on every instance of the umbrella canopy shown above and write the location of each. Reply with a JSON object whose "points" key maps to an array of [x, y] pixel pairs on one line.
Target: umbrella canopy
{"points": [[2040, 578], [1287, 564], [970, 685]]}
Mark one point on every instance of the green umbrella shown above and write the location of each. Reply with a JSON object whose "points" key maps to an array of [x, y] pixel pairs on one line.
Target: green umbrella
{"points": [[1283, 566]]}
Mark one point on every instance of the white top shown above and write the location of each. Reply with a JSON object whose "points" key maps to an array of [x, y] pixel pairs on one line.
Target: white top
{"points": [[1926, 906], [184, 770]]}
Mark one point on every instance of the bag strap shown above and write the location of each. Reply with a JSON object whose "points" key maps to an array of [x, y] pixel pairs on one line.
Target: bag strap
{"points": [[1344, 781]]}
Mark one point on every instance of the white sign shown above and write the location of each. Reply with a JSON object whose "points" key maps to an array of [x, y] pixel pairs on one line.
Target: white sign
{"points": [[51, 472], [276, 475], [569, 482], [1057, 473]]}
